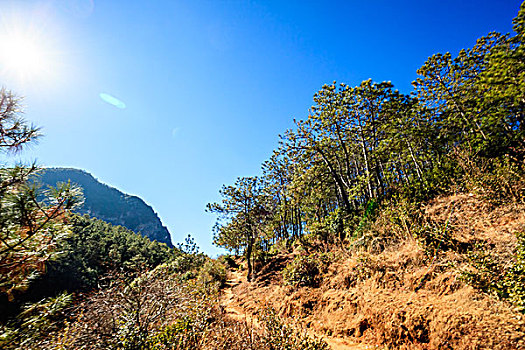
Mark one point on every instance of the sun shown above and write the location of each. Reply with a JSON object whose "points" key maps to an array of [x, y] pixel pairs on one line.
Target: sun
{"points": [[29, 42], [24, 56]]}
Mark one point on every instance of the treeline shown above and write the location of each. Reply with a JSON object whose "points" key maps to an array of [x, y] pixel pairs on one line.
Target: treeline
{"points": [[50, 258], [360, 146], [73, 282], [81, 259], [93, 250]]}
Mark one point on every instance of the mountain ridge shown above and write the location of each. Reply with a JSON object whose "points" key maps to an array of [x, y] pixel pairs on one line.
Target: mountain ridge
{"points": [[109, 204]]}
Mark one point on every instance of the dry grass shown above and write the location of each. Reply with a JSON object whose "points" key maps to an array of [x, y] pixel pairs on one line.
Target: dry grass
{"points": [[401, 297]]}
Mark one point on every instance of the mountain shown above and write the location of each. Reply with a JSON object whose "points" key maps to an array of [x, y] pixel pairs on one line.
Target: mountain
{"points": [[109, 204]]}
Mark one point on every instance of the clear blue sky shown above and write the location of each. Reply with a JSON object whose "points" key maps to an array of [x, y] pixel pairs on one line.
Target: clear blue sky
{"points": [[208, 85]]}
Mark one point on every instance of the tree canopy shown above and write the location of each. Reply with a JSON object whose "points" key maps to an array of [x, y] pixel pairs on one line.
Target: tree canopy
{"points": [[360, 146]]}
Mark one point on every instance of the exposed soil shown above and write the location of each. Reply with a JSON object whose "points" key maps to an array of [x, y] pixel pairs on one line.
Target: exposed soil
{"points": [[398, 297], [230, 302]]}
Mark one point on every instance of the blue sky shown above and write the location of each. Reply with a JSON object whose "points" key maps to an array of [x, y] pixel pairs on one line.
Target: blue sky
{"points": [[208, 85]]}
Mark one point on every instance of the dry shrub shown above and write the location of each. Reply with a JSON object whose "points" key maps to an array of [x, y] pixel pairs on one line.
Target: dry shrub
{"points": [[158, 311], [395, 222], [404, 295], [499, 181], [127, 314]]}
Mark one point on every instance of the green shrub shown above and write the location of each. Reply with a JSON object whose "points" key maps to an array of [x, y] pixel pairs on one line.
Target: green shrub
{"points": [[229, 261], [499, 277], [487, 272], [182, 334], [304, 269], [280, 247], [434, 238], [213, 271], [35, 322], [329, 228], [497, 180], [280, 336]]}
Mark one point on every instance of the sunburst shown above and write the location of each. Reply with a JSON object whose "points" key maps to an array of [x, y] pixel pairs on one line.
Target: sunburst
{"points": [[26, 53]]}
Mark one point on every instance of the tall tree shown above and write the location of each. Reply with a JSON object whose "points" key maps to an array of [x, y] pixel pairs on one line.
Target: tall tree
{"points": [[242, 215], [503, 86], [359, 138], [29, 227], [452, 88]]}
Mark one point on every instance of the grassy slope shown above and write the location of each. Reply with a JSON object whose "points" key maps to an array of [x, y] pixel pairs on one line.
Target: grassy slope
{"points": [[403, 296]]}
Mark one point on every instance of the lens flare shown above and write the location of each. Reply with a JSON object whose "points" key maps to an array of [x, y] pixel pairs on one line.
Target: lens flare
{"points": [[112, 100]]}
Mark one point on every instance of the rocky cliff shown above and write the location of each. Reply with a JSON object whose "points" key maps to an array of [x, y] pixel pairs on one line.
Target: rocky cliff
{"points": [[109, 204]]}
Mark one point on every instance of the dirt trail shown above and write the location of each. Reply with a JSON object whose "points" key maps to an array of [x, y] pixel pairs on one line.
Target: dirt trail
{"points": [[227, 301], [233, 310]]}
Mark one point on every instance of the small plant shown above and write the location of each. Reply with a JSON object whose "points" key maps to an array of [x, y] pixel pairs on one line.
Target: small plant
{"points": [[433, 238], [304, 270], [503, 279], [487, 272], [182, 334], [280, 336], [213, 271]]}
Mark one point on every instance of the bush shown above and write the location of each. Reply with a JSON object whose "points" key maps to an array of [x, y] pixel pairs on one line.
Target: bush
{"points": [[497, 180], [304, 270], [182, 334], [279, 335], [35, 322], [213, 271], [497, 276], [229, 261], [126, 314], [434, 238]]}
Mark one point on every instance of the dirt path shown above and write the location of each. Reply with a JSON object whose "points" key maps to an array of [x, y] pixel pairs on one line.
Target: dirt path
{"points": [[234, 311], [227, 301]]}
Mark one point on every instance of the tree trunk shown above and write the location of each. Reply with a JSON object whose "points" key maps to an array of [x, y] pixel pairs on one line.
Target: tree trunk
{"points": [[338, 183], [249, 250]]}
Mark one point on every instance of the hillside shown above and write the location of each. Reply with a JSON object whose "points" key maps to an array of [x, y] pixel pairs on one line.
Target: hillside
{"points": [[109, 204], [402, 296], [382, 220]]}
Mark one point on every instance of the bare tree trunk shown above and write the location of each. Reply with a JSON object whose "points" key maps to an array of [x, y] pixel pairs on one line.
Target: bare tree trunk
{"points": [[249, 250], [339, 184]]}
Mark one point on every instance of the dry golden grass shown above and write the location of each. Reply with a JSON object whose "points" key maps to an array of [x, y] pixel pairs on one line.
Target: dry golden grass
{"points": [[401, 297]]}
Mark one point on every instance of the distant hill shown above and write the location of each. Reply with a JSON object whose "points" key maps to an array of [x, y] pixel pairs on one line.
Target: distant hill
{"points": [[109, 204]]}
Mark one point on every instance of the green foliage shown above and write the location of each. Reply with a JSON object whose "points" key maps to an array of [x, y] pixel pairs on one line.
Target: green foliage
{"points": [[189, 260], [182, 334], [31, 221], [242, 217], [499, 180], [280, 336], [328, 228], [515, 279], [95, 248], [229, 261], [434, 238], [305, 269], [35, 322], [462, 129], [213, 271], [29, 229], [497, 276], [488, 272]]}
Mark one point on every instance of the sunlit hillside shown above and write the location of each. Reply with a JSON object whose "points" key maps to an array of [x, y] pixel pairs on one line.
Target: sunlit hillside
{"points": [[384, 217]]}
